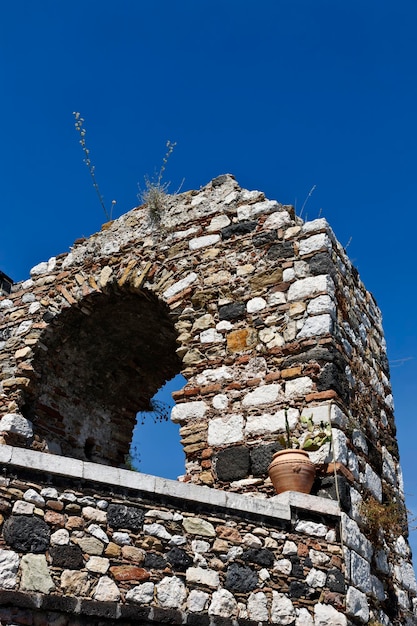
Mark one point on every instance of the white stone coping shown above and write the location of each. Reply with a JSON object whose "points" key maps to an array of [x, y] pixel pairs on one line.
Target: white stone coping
{"points": [[278, 507]]}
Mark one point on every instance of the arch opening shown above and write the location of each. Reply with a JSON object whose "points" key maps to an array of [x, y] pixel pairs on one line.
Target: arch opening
{"points": [[156, 447], [98, 364]]}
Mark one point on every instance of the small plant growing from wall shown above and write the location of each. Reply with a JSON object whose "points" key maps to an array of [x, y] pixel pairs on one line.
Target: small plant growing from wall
{"points": [[382, 519], [80, 128], [313, 436], [156, 190]]}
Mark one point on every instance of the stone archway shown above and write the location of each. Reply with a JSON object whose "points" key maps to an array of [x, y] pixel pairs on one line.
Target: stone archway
{"points": [[97, 364]]}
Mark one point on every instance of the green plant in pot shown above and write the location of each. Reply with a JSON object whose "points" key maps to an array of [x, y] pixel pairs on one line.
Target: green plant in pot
{"points": [[291, 469]]}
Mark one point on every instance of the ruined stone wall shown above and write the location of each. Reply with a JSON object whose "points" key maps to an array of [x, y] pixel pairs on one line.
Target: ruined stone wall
{"points": [[264, 315]]}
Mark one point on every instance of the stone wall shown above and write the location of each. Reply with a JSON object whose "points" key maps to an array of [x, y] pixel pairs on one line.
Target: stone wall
{"points": [[115, 544], [265, 316]]}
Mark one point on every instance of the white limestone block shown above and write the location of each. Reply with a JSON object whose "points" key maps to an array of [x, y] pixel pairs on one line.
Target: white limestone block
{"points": [[320, 305], [180, 285], [326, 615], [282, 609], [220, 402], [218, 222], [315, 243], [372, 482], [298, 386], [188, 410], [156, 530], [141, 594], [265, 394], [197, 601], [310, 287], [9, 565], [255, 305], [16, 424], [266, 423], [280, 219], [258, 606], [357, 605], [203, 242], [224, 430], [171, 592], [200, 576], [211, 336], [60, 537], [316, 578], [106, 590], [316, 326], [249, 211], [222, 604]]}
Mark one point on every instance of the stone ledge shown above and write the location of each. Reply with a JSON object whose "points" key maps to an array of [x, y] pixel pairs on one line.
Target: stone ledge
{"points": [[307, 502], [277, 507]]}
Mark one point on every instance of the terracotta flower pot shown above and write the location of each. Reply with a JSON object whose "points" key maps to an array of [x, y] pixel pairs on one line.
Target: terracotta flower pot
{"points": [[292, 470]]}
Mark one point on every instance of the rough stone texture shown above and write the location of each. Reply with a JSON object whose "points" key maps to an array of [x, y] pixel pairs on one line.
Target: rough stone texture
{"points": [[261, 313], [9, 564], [26, 534], [326, 615], [142, 594], [121, 516], [106, 590], [232, 463], [171, 592], [35, 574]]}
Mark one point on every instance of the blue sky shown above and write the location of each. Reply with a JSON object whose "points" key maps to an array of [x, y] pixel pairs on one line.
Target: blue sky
{"points": [[284, 94]]}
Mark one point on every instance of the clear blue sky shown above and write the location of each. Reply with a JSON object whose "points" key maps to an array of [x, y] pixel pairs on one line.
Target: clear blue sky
{"points": [[284, 94]]}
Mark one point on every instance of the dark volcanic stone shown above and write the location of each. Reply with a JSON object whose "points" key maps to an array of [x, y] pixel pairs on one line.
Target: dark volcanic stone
{"points": [[122, 516], [232, 463], [327, 489], [335, 581], [315, 354], [298, 589], [198, 619], [240, 578], [154, 561], [242, 228], [297, 568], [260, 556], [281, 250], [179, 559], [68, 557], [261, 457], [26, 534], [162, 615], [321, 264], [220, 180], [232, 311], [264, 238], [331, 377]]}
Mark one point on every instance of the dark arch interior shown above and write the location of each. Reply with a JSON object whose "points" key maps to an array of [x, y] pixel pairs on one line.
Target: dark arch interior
{"points": [[98, 363]]}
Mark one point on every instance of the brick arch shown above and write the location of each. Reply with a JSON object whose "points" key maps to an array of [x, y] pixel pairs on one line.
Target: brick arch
{"points": [[97, 363]]}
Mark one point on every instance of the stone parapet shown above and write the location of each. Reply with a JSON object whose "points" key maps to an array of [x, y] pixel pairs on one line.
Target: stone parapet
{"points": [[125, 546]]}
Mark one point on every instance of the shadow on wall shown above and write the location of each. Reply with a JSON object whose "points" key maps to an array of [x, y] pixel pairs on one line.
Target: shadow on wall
{"points": [[98, 364]]}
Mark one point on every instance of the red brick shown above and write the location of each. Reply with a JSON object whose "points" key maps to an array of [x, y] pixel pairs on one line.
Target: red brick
{"points": [[321, 395], [272, 376], [129, 572], [210, 389]]}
